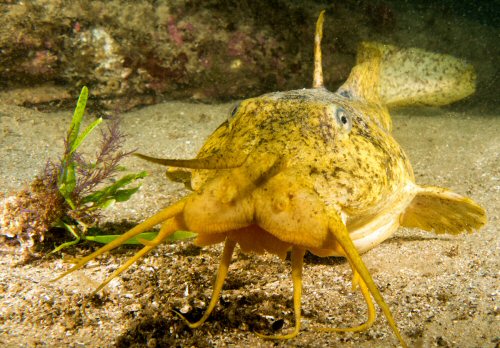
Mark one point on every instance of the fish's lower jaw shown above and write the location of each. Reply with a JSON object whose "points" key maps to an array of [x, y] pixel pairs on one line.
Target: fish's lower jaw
{"points": [[382, 226], [376, 236], [373, 233]]}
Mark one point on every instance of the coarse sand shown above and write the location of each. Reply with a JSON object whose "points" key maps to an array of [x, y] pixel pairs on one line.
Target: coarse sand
{"points": [[443, 290]]}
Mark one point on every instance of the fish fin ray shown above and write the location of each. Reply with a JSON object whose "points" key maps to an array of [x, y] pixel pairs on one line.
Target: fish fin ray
{"points": [[443, 211]]}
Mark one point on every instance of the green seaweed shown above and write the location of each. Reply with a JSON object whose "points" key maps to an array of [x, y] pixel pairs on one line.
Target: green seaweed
{"points": [[68, 182], [67, 177], [72, 192], [178, 235], [77, 176]]}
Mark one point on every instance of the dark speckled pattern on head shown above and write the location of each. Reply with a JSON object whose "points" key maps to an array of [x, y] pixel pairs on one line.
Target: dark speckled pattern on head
{"points": [[358, 171]]}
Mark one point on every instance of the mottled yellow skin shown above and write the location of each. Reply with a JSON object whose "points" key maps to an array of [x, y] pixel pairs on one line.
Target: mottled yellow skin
{"points": [[292, 141], [313, 170]]}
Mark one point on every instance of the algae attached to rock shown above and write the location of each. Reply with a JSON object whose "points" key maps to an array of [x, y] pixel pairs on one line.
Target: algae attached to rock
{"points": [[69, 193]]}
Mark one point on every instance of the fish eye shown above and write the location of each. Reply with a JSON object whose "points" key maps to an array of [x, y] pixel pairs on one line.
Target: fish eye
{"points": [[343, 119]]}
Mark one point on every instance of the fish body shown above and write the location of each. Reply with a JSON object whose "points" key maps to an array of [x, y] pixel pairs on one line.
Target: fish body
{"points": [[339, 145], [319, 171], [337, 148]]}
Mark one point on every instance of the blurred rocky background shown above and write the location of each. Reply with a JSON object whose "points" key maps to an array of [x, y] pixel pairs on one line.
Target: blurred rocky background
{"points": [[132, 53]]}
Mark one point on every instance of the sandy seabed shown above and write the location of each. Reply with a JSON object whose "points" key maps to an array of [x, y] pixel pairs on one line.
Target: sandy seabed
{"points": [[442, 290]]}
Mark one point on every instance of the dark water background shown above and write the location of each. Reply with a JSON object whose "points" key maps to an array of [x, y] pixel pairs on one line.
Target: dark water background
{"points": [[483, 11], [135, 53]]}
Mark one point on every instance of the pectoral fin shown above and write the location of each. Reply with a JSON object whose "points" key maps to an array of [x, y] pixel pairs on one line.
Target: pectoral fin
{"points": [[443, 211]]}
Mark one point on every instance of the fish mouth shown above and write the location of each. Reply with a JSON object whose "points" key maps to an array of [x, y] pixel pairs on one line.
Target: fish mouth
{"points": [[370, 231]]}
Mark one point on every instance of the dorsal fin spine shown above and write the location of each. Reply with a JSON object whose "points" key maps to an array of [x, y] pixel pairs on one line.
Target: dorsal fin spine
{"points": [[318, 68]]}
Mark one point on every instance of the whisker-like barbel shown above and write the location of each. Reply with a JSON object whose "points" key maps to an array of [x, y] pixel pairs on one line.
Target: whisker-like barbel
{"points": [[318, 171]]}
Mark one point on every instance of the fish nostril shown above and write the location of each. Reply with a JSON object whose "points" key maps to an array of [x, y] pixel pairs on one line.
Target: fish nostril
{"points": [[233, 112], [280, 203], [228, 194]]}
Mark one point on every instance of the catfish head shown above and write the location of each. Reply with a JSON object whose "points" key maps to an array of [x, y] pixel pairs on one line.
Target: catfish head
{"points": [[319, 171]]}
